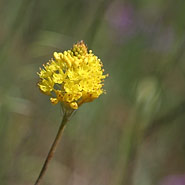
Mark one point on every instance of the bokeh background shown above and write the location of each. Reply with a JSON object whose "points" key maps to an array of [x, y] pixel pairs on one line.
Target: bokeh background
{"points": [[133, 135]]}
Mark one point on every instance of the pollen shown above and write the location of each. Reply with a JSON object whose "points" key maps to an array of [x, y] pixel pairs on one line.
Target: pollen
{"points": [[73, 77]]}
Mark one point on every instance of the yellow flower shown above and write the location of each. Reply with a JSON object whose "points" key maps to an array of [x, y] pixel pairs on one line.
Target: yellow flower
{"points": [[72, 77]]}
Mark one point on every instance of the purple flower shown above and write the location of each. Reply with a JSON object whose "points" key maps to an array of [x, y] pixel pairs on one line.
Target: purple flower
{"points": [[174, 180], [120, 17]]}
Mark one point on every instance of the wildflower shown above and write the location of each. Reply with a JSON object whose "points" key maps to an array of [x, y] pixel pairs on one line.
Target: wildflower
{"points": [[73, 77]]}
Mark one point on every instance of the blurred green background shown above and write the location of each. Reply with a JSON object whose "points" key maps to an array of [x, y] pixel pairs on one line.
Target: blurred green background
{"points": [[133, 135]]}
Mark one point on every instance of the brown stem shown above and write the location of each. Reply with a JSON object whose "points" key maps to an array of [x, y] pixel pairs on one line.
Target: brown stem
{"points": [[52, 149]]}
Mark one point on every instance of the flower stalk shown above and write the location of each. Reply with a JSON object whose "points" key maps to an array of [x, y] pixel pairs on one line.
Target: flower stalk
{"points": [[53, 148]]}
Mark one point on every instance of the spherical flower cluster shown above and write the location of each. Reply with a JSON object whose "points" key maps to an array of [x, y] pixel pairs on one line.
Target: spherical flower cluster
{"points": [[72, 77]]}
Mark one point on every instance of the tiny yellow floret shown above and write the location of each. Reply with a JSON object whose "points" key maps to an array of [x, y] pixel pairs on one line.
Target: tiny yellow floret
{"points": [[73, 77]]}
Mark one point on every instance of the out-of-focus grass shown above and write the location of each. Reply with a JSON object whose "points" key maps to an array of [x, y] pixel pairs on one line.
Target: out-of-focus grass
{"points": [[132, 135]]}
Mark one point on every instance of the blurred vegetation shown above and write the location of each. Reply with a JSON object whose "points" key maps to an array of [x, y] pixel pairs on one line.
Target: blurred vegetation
{"points": [[133, 135]]}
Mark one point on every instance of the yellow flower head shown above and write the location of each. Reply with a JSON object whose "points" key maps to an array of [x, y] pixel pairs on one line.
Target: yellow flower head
{"points": [[72, 77]]}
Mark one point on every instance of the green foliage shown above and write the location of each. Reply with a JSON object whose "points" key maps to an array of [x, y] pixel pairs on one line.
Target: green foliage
{"points": [[132, 135]]}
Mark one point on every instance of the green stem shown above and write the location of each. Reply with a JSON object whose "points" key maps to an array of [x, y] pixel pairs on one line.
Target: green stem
{"points": [[52, 149]]}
